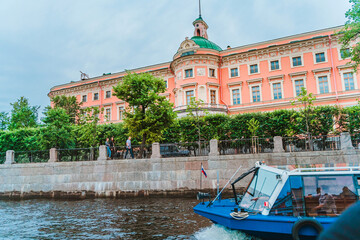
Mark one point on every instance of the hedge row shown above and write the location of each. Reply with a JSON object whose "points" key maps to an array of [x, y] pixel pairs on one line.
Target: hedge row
{"points": [[323, 120]]}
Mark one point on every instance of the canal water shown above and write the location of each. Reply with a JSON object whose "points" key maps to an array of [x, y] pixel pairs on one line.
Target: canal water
{"points": [[133, 218]]}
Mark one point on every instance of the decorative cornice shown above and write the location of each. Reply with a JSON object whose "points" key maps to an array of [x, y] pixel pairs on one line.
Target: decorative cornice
{"points": [[189, 84], [254, 80], [119, 102], [213, 84], [298, 73], [327, 69], [351, 65], [276, 77], [235, 83]]}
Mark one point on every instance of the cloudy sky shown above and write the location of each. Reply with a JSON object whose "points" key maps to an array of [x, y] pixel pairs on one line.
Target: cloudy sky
{"points": [[46, 43]]}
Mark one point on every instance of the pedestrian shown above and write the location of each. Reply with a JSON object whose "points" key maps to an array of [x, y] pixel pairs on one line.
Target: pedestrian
{"points": [[107, 144], [112, 147], [128, 148]]}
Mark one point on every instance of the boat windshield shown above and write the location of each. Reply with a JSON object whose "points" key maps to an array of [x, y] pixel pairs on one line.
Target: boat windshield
{"points": [[259, 191]]}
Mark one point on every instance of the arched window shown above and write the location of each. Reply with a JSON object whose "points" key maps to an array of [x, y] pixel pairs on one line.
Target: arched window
{"points": [[198, 32]]}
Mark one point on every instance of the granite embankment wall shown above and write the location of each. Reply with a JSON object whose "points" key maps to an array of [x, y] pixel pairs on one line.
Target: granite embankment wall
{"points": [[142, 177]]}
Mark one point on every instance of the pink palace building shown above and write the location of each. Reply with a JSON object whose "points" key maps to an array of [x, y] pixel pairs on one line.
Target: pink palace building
{"points": [[257, 77]]}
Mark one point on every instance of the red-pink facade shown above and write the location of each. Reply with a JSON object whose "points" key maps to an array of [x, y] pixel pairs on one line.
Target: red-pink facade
{"points": [[258, 77]]}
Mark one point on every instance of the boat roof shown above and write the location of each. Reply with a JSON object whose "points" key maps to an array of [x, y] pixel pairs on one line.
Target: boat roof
{"points": [[314, 169]]}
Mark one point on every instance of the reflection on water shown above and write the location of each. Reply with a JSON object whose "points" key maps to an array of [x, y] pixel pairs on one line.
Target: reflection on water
{"points": [[137, 218]]}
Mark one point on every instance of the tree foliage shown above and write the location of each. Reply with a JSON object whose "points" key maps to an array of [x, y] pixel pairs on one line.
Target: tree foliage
{"points": [[350, 33], [57, 132], [4, 120], [23, 115], [149, 113], [70, 104]]}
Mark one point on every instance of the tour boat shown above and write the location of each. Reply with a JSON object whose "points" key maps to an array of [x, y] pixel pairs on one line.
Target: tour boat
{"points": [[286, 202]]}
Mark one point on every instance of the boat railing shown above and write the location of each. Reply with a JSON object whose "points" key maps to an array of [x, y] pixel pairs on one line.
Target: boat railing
{"points": [[323, 169]]}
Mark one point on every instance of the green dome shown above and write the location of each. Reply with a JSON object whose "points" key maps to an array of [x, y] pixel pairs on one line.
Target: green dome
{"points": [[204, 43]]}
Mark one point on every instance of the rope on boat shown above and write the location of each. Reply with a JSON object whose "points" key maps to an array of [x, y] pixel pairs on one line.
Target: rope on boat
{"points": [[239, 215]]}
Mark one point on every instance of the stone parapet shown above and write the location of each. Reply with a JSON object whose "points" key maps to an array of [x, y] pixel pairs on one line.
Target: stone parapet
{"points": [[117, 178]]}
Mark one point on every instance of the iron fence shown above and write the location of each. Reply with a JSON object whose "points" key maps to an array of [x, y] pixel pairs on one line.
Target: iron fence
{"points": [[78, 154], [2, 157], [246, 145], [31, 156], [303, 143], [119, 152], [185, 149], [355, 139]]}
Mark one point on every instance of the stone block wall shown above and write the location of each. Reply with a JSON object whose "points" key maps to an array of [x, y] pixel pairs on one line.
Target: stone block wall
{"points": [[143, 177]]}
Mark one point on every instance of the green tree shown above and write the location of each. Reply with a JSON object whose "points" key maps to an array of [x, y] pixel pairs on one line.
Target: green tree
{"points": [[350, 33], [195, 111], [70, 104], [57, 132], [23, 115], [149, 113], [87, 130], [4, 120], [307, 113]]}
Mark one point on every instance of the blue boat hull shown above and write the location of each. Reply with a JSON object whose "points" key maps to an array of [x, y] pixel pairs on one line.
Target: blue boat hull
{"points": [[265, 227]]}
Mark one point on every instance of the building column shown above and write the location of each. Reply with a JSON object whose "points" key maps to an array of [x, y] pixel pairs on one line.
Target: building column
{"points": [[102, 153], [10, 157], [53, 155], [214, 148], [155, 153], [278, 145], [345, 141]]}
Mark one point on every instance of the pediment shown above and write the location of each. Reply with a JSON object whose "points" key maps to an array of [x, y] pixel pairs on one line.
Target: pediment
{"points": [[187, 45]]}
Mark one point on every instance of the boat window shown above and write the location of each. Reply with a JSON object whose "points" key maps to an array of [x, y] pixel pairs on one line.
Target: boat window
{"points": [[328, 195], [297, 195], [259, 190], [283, 205]]}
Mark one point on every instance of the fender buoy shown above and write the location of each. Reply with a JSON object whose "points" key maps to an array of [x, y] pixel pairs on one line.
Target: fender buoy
{"points": [[305, 222]]}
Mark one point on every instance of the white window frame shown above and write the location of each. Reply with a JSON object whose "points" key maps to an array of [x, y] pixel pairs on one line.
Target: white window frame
{"points": [[251, 93], [293, 79], [187, 90], [215, 72], [281, 81], [94, 96], [254, 63], [232, 96], [294, 56], [105, 94], [339, 54], [294, 85], [317, 52], [342, 72], [118, 111], [328, 75], [232, 67], [107, 120], [216, 94], [272, 60], [193, 72]]}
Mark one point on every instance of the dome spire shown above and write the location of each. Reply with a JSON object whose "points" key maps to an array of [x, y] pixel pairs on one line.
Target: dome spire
{"points": [[200, 25], [199, 8]]}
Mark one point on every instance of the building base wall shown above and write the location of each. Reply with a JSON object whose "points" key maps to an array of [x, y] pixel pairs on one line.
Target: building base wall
{"points": [[144, 177]]}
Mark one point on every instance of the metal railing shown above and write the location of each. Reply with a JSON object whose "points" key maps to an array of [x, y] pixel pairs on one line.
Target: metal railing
{"points": [[185, 149], [246, 145], [303, 143], [2, 157], [119, 152], [31, 156], [78, 154]]}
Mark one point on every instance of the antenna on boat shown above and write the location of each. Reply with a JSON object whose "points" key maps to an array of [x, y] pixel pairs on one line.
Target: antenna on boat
{"points": [[211, 202]]}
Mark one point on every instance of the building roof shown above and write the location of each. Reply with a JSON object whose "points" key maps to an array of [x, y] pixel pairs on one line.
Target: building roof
{"points": [[204, 43]]}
